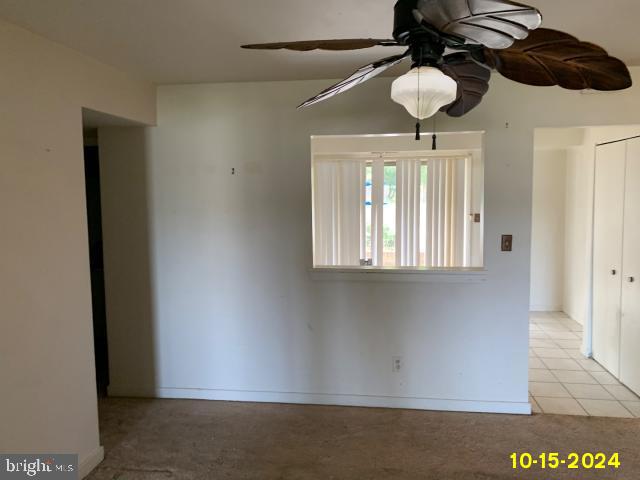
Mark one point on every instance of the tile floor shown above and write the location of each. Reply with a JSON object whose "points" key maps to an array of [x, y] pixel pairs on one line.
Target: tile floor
{"points": [[562, 381]]}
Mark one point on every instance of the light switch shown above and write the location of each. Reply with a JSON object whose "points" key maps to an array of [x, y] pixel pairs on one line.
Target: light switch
{"points": [[507, 243]]}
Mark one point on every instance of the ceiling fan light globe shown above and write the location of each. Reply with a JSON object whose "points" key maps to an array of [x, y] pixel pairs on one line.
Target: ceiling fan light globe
{"points": [[424, 91]]}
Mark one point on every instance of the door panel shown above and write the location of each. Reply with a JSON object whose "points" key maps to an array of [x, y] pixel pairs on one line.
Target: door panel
{"points": [[607, 261], [630, 325]]}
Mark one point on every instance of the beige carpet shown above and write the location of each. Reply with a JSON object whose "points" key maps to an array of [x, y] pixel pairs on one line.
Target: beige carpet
{"points": [[164, 439]]}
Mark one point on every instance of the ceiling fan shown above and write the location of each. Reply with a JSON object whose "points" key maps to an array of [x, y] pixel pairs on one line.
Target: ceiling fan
{"points": [[454, 45]]}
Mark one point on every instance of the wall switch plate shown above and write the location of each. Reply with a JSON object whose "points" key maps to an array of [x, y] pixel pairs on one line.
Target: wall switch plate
{"points": [[507, 243]]}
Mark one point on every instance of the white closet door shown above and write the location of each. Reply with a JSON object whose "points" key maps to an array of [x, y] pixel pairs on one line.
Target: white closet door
{"points": [[630, 330], [607, 260]]}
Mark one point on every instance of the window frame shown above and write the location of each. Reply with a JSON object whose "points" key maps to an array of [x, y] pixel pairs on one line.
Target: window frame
{"points": [[474, 274]]}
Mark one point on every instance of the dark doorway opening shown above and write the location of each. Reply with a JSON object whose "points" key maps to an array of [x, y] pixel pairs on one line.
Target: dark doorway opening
{"points": [[94, 218]]}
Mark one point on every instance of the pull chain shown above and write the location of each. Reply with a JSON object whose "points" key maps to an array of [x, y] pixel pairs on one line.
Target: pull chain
{"points": [[418, 136], [434, 143]]}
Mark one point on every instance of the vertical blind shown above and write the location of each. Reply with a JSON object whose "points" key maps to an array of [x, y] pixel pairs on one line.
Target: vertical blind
{"points": [[338, 200], [448, 212], [408, 212], [340, 221]]}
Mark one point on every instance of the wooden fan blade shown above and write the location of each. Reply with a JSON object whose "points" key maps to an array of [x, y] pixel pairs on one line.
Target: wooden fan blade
{"points": [[492, 23], [335, 45], [549, 57], [359, 76], [472, 79]]}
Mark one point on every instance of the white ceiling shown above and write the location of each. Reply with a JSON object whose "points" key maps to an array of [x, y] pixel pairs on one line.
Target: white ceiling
{"points": [[193, 41]]}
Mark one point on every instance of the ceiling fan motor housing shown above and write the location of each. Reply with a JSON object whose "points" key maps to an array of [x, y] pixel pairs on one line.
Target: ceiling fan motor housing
{"points": [[427, 48], [404, 21]]}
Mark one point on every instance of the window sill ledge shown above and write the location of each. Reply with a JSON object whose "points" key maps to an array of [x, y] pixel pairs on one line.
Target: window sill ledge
{"points": [[392, 274]]}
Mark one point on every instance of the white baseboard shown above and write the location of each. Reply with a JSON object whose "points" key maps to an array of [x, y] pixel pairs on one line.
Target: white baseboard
{"points": [[91, 461], [412, 403], [545, 309]]}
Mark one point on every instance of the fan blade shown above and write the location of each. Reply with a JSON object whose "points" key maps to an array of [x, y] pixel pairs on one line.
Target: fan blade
{"points": [[492, 23], [549, 57], [472, 79], [335, 45], [359, 76]]}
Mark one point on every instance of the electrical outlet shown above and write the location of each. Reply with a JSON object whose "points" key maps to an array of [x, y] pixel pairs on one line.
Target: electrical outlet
{"points": [[398, 363]]}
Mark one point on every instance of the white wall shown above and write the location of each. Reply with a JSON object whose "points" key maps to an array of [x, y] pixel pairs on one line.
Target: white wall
{"points": [[236, 313], [578, 213], [48, 401], [548, 227], [125, 208]]}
